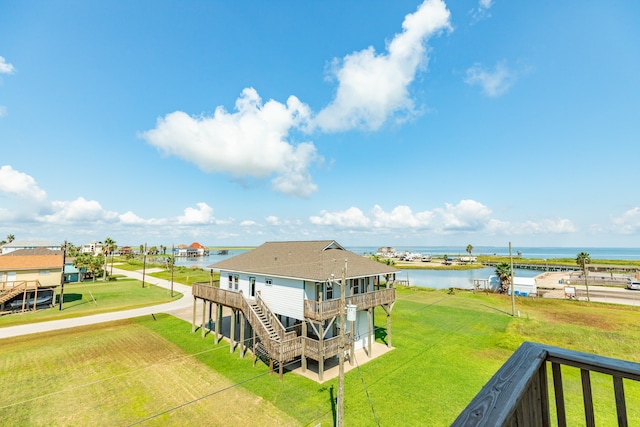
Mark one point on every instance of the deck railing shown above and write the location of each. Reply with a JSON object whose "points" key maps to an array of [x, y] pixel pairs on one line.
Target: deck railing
{"points": [[316, 310], [518, 394]]}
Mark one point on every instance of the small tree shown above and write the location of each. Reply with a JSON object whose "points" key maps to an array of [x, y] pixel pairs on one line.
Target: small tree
{"points": [[469, 249], [503, 271], [582, 259]]}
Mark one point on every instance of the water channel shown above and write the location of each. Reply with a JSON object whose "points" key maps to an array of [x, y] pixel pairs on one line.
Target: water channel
{"points": [[435, 279]]}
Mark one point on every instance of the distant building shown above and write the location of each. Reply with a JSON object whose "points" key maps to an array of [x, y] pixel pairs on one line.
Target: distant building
{"points": [[202, 250], [29, 244], [93, 248], [185, 251]]}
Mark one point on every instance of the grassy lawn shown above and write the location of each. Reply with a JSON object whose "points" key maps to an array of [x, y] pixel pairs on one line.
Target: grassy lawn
{"points": [[187, 275], [85, 298], [446, 348]]}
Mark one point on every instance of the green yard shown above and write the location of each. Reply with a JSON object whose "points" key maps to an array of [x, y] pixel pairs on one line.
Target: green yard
{"points": [[446, 348], [85, 298]]}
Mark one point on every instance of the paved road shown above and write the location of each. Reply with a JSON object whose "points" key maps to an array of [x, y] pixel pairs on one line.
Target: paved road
{"points": [[177, 308]]}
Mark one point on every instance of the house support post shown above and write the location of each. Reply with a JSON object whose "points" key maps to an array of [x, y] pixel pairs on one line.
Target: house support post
{"points": [[255, 353], [232, 334], [35, 298], [24, 297], [370, 332], [209, 321], [352, 343], [321, 358], [303, 358], [242, 343], [204, 317], [218, 322], [193, 318], [387, 309]]}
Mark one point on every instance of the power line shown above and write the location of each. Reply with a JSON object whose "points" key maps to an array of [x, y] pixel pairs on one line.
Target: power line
{"points": [[366, 391]]}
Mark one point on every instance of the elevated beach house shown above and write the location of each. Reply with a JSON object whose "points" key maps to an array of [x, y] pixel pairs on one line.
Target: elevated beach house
{"points": [[285, 299], [28, 279]]}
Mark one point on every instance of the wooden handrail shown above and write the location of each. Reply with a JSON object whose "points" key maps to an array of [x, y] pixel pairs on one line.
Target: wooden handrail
{"points": [[518, 394], [323, 310]]}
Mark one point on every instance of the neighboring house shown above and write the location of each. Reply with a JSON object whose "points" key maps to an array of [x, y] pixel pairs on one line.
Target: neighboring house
{"points": [[29, 277], [289, 292], [124, 250], [185, 251], [29, 244], [71, 272], [93, 248], [201, 250]]}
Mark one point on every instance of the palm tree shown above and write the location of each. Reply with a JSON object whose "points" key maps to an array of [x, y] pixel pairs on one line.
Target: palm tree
{"points": [[469, 249], [82, 262], [582, 259], [11, 238], [503, 271], [108, 248]]}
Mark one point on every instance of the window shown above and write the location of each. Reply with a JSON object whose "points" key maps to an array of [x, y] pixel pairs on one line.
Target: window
{"points": [[329, 291], [236, 279], [355, 286], [230, 281], [44, 272], [268, 282]]}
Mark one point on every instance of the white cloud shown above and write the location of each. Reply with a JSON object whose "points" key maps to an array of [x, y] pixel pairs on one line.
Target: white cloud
{"points": [[352, 217], [77, 211], [129, 218], [248, 223], [20, 184], [400, 217], [201, 216], [272, 220], [467, 215], [482, 11], [545, 226], [372, 86], [628, 222], [493, 83], [250, 142], [5, 67]]}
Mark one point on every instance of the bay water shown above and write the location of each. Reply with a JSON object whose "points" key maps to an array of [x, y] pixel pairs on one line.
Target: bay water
{"points": [[444, 279]]}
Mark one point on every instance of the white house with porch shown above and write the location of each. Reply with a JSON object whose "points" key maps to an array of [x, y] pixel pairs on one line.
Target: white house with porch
{"points": [[291, 292]]}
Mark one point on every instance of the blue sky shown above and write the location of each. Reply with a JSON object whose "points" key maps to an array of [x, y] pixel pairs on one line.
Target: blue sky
{"points": [[373, 123]]}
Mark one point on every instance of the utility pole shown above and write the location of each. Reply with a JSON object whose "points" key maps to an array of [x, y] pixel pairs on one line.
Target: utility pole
{"points": [[341, 342], [173, 261], [144, 263], [513, 294], [64, 260]]}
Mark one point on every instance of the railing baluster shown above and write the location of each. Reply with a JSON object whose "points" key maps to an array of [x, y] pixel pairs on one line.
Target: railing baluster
{"points": [[559, 394], [621, 406], [587, 397], [543, 396]]}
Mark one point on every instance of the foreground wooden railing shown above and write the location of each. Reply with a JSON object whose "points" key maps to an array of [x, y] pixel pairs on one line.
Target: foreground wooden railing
{"points": [[316, 310], [518, 394]]}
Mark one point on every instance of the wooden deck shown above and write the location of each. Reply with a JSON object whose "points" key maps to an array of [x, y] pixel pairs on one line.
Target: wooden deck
{"points": [[518, 394]]}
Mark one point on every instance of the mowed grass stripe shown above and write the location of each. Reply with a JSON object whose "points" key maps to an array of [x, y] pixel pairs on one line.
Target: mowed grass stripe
{"points": [[112, 376]]}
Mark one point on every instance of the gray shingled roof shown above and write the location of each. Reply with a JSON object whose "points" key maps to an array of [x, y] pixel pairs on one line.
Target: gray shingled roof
{"points": [[308, 260]]}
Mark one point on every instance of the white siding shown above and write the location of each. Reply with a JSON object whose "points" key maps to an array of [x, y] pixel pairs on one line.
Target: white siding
{"points": [[284, 296], [361, 329]]}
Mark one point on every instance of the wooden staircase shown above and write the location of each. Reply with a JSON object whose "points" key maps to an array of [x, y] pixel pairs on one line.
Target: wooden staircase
{"points": [[264, 322], [17, 289]]}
